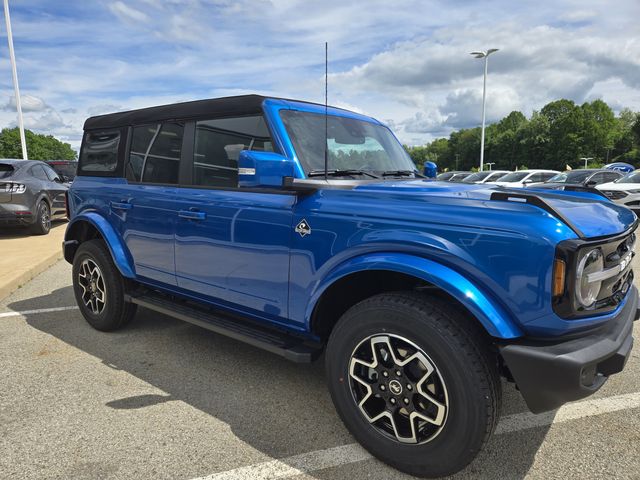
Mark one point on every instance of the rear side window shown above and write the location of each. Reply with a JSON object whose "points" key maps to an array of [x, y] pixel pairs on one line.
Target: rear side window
{"points": [[100, 152], [154, 156], [38, 172], [218, 144]]}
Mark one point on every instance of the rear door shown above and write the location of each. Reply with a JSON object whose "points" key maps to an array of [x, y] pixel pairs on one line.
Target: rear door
{"points": [[145, 207], [232, 244]]}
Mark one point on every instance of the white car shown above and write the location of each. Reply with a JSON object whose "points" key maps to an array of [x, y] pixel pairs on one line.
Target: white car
{"points": [[487, 176], [522, 178], [624, 191]]}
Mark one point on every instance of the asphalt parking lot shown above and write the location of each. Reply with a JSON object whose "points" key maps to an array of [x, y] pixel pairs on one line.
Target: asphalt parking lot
{"points": [[164, 399]]}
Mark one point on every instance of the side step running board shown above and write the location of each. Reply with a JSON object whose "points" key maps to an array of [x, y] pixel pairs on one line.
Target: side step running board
{"points": [[275, 341]]}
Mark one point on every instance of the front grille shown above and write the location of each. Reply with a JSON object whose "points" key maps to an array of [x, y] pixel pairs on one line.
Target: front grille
{"points": [[616, 252], [614, 194]]}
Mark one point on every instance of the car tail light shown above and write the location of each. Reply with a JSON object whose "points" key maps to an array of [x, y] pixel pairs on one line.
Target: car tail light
{"points": [[14, 188]]}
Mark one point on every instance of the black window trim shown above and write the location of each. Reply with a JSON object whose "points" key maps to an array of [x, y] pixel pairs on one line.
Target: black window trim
{"points": [[185, 172]]}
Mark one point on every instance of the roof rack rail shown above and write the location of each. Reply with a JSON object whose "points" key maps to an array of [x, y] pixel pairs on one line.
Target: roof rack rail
{"points": [[539, 202]]}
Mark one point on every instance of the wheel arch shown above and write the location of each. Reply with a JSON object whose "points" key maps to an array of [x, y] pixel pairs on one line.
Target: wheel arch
{"points": [[371, 274], [91, 225]]}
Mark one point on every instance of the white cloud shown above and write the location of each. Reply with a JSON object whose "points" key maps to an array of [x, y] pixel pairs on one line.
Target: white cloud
{"points": [[127, 13], [29, 103]]}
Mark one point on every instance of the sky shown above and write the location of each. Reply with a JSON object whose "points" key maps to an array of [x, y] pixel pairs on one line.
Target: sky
{"points": [[404, 62]]}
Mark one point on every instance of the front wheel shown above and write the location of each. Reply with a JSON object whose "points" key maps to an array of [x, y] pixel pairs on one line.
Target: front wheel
{"points": [[414, 381], [99, 288]]}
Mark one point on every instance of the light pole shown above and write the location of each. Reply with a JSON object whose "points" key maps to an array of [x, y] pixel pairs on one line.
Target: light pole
{"points": [[457, 155], [490, 164], [12, 57], [586, 159], [485, 55]]}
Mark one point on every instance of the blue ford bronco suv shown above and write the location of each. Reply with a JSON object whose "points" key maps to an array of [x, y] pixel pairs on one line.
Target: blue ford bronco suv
{"points": [[307, 230]]}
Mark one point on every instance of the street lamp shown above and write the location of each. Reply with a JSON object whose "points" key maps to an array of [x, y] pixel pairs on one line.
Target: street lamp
{"points": [[485, 55], [586, 159], [489, 164]]}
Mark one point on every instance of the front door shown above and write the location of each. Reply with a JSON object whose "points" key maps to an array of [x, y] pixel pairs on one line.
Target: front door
{"points": [[232, 245]]}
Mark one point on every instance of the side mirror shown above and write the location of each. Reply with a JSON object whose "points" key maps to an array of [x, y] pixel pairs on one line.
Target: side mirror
{"points": [[527, 181], [591, 183], [263, 169]]}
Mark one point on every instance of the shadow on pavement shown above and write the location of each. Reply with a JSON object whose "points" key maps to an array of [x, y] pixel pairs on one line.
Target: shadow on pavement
{"points": [[277, 407], [22, 232]]}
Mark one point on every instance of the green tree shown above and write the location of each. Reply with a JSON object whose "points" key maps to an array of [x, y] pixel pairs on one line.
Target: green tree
{"points": [[39, 146]]}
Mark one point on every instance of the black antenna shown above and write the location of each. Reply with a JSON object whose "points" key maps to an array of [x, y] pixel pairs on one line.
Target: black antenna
{"points": [[326, 101]]}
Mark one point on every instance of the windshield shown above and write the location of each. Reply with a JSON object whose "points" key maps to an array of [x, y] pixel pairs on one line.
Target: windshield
{"points": [[477, 177], [570, 177], [514, 177], [633, 177], [351, 144]]}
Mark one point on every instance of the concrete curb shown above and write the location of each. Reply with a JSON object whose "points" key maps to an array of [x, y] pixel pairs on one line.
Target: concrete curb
{"points": [[7, 288], [24, 257]]}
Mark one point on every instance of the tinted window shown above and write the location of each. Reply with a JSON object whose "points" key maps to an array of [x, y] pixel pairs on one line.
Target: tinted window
{"points": [[514, 177], [547, 176], [218, 144], [100, 151], [154, 155], [53, 176], [6, 170], [66, 169], [38, 172], [611, 176], [598, 178], [536, 177]]}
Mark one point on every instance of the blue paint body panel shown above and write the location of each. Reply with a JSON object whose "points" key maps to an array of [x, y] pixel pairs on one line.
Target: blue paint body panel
{"points": [[242, 253]]}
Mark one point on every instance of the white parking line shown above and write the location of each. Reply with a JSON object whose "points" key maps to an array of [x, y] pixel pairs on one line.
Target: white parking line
{"points": [[353, 452], [40, 310]]}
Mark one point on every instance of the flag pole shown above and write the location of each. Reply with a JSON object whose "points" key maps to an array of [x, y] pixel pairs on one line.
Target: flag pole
{"points": [[15, 79]]}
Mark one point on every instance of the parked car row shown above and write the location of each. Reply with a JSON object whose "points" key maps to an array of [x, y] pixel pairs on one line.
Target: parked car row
{"points": [[32, 193], [546, 179]]}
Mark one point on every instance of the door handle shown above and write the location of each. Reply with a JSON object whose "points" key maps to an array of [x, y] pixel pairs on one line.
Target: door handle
{"points": [[192, 215], [121, 205]]}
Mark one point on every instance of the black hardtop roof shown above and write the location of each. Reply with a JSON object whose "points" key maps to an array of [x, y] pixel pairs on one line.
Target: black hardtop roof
{"points": [[225, 106]]}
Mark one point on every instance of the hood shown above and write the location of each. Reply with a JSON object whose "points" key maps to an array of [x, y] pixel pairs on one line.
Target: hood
{"points": [[591, 214], [619, 186]]}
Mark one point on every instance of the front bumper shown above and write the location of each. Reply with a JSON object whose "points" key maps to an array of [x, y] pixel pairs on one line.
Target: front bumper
{"points": [[549, 374]]}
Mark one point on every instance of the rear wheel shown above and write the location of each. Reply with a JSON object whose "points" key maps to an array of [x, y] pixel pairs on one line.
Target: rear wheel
{"points": [[99, 287], [42, 225], [414, 381]]}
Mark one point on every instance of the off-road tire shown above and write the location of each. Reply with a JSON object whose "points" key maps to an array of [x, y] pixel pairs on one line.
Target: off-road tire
{"points": [[461, 353], [115, 312]]}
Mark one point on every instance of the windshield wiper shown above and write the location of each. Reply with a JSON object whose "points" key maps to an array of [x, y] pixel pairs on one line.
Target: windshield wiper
{"points": [[340, 173], [402, 173]]}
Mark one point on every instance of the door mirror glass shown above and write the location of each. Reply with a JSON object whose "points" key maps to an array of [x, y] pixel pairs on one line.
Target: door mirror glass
{"points": [[263, 169]]}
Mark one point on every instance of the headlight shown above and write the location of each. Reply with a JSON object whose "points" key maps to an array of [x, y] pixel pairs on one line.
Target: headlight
{"points": [[587, 292]]}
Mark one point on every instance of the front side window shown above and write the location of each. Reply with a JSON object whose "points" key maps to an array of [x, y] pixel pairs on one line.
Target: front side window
{"points": [[100, 151], [351, 144], [514, 177], [154, 155], [218, 144]]}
